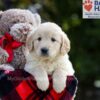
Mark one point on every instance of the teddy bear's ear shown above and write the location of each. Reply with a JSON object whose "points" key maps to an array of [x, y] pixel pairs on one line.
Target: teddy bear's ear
{"points": [[1, 12], [37, 18]]}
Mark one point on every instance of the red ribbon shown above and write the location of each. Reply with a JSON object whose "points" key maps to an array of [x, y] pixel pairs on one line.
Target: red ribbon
{"points": [[9, 44]]}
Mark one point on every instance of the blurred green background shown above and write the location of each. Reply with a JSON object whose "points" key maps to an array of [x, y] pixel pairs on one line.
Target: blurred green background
{"points": [[84, 35]]}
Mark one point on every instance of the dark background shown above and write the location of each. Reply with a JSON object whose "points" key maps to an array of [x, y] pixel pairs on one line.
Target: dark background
{"points": [[83, 33]]}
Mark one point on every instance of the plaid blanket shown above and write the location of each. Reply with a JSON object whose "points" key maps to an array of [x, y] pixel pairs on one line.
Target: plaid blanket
{"points": [[20, 85]]}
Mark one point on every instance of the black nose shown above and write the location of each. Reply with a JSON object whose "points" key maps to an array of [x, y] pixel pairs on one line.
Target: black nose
{"points": [[44, 51]]}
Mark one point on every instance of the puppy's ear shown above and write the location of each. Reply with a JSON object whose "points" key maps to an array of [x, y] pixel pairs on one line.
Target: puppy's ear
{"points": [[29, 42], [65, 44]]}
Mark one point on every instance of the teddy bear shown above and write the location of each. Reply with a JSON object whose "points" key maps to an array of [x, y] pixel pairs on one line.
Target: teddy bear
{"points": [[15, 25], [12, 16]]}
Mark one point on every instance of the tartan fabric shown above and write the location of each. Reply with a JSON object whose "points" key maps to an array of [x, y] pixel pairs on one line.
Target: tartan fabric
{"points": [[20, 85]]}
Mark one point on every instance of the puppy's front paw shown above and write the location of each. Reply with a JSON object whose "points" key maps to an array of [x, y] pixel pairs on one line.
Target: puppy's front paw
{"points": [[43, 84], [59, 85], [59, 82]]}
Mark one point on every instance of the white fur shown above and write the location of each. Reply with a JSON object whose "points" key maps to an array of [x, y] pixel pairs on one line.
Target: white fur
{"points": [[58, 65], [6, 67]]}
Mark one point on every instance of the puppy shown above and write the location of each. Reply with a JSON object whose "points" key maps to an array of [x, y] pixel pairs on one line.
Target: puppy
{"points": [[47, 54]]}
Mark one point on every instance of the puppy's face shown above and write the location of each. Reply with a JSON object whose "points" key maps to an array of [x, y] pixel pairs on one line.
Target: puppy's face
{"points": [[48, 43]]}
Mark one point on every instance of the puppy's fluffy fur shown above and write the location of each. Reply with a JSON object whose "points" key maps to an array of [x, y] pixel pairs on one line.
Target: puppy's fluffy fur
{"points": [[48, 49]]}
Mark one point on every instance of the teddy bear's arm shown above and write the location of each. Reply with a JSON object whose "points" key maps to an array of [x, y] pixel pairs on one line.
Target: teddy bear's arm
{"points": [[3, 60], [3, 56], [20, 31]]}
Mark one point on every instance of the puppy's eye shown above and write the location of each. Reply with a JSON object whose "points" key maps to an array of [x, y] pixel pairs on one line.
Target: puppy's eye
{"points": [[39, 39], [53, 39]]}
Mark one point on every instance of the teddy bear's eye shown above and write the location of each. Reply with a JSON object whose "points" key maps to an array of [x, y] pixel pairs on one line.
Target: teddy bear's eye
{"points": [[39, 39], [31, 23], [14, 22], [53, 39]]}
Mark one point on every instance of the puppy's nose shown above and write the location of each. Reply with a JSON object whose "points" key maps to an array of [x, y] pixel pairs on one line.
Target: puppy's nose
{"points": [[44, 51]]}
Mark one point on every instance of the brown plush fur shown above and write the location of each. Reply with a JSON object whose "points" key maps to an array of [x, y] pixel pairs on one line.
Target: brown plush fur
{"points": [[17, 18]]}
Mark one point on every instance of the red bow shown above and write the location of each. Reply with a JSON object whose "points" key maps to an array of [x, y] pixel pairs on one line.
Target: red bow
{"points": [[8, 43]]}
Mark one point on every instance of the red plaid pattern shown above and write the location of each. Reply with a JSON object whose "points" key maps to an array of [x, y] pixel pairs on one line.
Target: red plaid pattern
{"points": [[26, 89]]}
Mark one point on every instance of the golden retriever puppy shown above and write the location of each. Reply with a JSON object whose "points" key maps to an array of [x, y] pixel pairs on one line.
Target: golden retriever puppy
{"points": [[48, 50]]}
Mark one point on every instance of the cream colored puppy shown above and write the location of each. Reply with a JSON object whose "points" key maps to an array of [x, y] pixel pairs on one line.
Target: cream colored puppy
{"points": [[48, 54]]}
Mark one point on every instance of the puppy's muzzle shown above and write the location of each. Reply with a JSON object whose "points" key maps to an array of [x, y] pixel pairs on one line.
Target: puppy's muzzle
{"points": [[44, 51]]}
